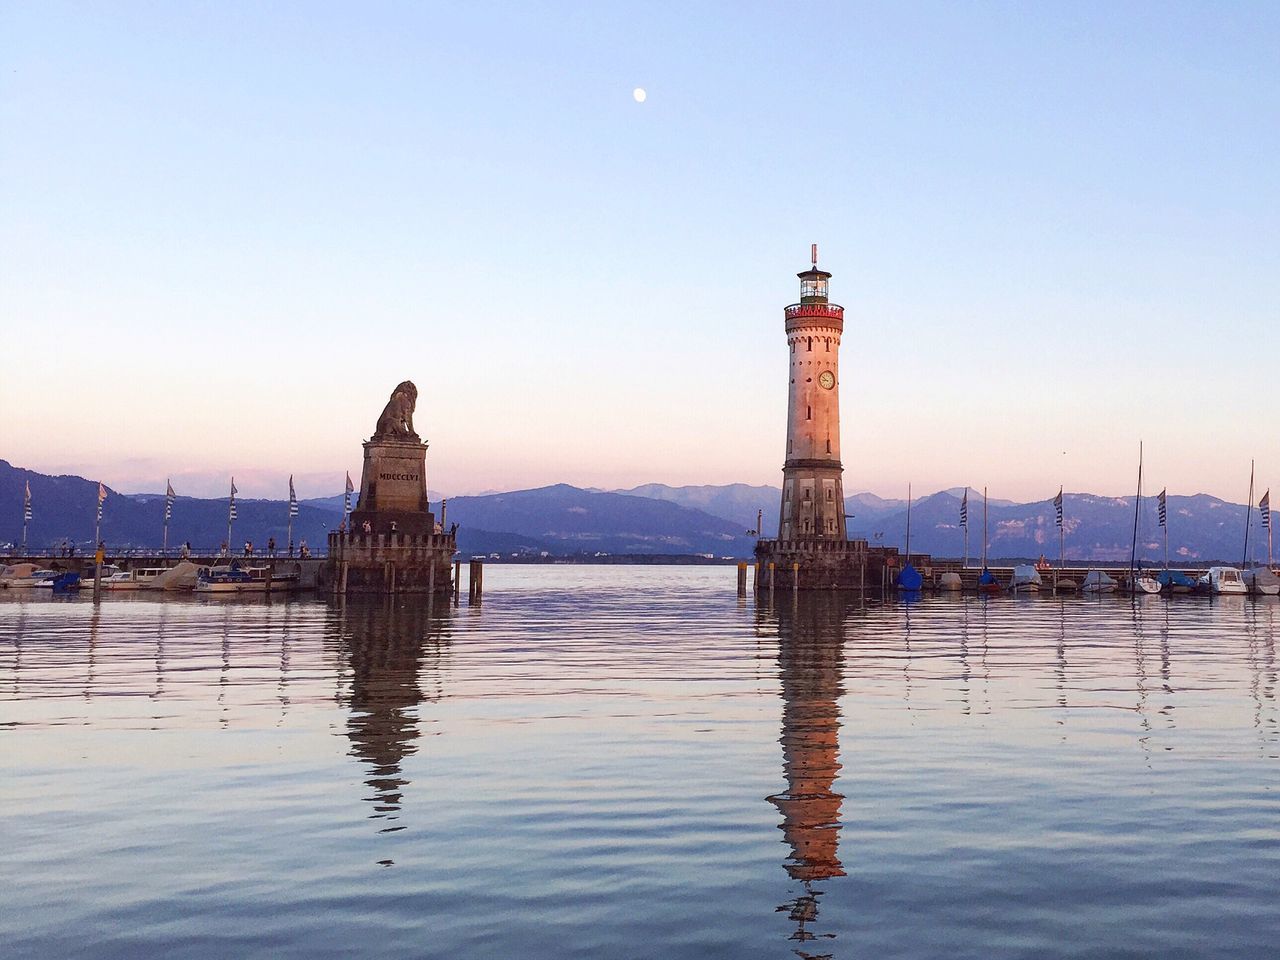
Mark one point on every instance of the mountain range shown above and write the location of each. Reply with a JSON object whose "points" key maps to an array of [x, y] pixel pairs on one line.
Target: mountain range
{"points": [[650, 519]]}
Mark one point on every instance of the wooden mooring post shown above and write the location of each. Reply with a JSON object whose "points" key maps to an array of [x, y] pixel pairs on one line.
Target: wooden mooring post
{"points": [[476, 568], [772, 577], [742, 579], [457, 580]]}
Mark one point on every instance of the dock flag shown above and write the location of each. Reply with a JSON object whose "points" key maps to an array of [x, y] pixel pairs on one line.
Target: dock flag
{"points": [[168, 501], [26, 504], [1265, 506], [350, 490], [102, 495], [1057, 506], [1162, 507], [231, 512], [964, 509], [293, 499]]}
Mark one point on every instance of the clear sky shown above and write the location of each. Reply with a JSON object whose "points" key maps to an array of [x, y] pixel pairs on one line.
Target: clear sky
{"points": [[227, 230]]}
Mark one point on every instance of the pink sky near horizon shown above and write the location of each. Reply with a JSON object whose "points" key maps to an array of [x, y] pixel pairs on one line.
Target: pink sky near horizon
{"points": [[226, 238]]}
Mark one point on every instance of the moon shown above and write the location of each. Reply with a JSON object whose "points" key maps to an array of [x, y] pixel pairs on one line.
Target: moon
{"points": [[639, 95]]}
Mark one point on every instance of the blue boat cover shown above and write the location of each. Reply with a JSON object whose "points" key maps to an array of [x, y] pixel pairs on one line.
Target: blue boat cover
{"points": [[986, 578], [67, 581], [909, 578], [1174, 578]]}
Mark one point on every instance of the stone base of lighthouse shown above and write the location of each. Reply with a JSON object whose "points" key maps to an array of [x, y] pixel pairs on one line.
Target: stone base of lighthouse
{"points": [[815, 564]]}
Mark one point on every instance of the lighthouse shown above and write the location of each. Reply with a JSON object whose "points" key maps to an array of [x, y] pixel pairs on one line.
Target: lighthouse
{"points": [[812, 490], [812, 550]]}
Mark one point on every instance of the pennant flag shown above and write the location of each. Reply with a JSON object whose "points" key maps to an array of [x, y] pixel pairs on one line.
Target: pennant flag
{"points": [[231, 515], [1265, 506], [1162, 507], [168, 501], [26, 504], [1057, 505], [350, 490], [293, 499], [102, 495], [964, 509]]}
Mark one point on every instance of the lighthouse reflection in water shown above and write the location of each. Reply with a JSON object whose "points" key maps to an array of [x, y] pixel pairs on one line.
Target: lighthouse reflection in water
{"points": [[810, 630]]}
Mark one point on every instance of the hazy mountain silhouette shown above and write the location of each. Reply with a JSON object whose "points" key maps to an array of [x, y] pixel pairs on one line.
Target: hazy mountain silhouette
{"points": [[559, 519]]}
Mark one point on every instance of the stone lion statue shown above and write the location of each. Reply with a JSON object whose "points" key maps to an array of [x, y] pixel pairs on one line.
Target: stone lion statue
{"points": [[397, 417]]}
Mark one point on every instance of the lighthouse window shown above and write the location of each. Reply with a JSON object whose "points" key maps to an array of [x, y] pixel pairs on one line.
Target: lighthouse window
{"points": [[810, 342], [828, 451], [828, 345], [808, 413]]}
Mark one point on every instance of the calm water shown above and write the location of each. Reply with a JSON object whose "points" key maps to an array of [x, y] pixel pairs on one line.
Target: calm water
{"points": [[631, 762]]}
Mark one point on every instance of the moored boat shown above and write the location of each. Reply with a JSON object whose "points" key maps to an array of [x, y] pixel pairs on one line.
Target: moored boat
{"points": [[1222, 580], [1144, 583], [1096, 581], [24, 575], [265, 579], [1174, 581], [987, 582], [113, 578], [65, 582], [909, 578], [1262, 582], [224, 580], [1025, 579]]}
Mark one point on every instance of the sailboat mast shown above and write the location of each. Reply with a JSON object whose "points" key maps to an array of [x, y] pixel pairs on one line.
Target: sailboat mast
{"points": [[1133, 554], [966, 528], [1248, 519], [984, 528], [908, 555]]}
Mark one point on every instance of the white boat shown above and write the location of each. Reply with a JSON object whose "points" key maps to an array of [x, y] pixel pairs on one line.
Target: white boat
{"points": [[1026, 579], [1223, 580], [147, 576], [43, 579], [950, 581], [22, 575], [1143, 583], [1262, 581], [1096, 581], [113, 578]]}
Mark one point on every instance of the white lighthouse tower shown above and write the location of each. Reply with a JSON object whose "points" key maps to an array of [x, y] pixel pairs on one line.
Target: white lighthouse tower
{"points": [[812, 491]]}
